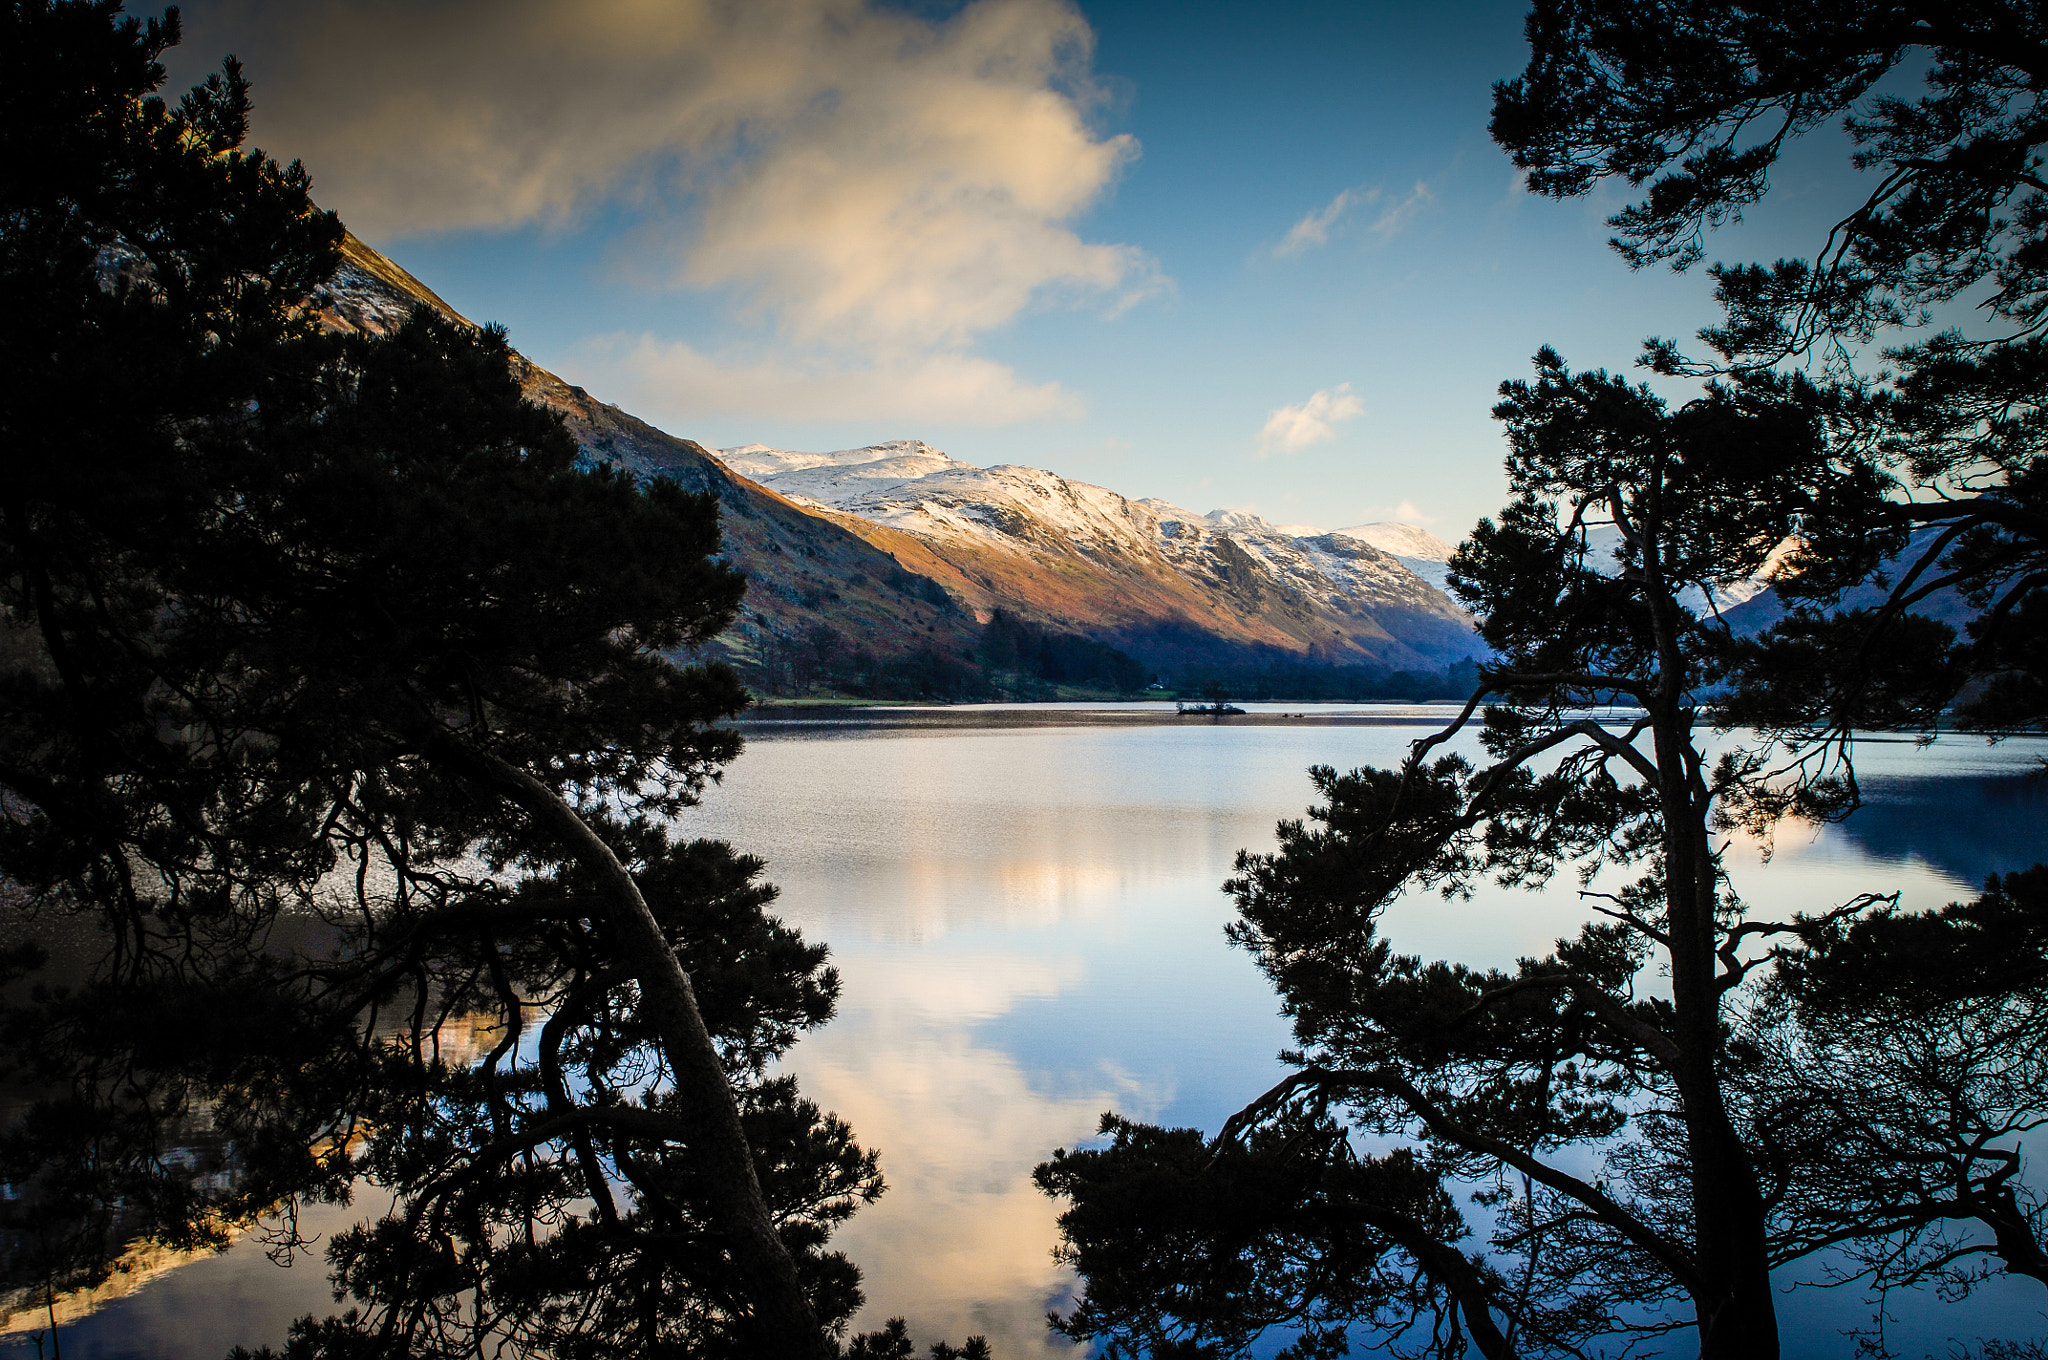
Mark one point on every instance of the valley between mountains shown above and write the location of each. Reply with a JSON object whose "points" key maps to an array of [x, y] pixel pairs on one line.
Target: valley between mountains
{"points": [[887, 570]]}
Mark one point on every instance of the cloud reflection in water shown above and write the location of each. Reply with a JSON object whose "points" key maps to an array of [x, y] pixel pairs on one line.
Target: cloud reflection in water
{"points": [[1028, 924]]}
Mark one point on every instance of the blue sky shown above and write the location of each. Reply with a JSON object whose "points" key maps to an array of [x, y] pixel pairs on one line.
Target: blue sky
{"points": [[1257, 256]]}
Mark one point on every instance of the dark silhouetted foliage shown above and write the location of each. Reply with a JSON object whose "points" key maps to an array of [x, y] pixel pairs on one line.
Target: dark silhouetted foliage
{"points": [[1640, 1152], [339, 712], [1697, 101]]}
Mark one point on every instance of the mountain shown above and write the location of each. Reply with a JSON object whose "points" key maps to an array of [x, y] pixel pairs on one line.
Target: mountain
{"points": [[1429, 557], [806, 572], [1419, 550], [889, 561], [1157, 580], [1762, 607], [1729, 599]]}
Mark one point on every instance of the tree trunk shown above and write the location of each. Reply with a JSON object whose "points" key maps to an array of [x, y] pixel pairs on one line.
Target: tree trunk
{"points": [[785, 1325], [1736, 1311], [1735, 1307], [2018, 1249]]}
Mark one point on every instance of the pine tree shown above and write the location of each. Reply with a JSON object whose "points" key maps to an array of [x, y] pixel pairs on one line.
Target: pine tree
{"points": [[1643, 1157], [1693, 102], [286, 613]]}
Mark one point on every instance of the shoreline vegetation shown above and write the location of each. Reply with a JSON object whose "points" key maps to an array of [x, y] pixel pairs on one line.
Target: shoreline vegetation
{"points": [[1021, 661]]}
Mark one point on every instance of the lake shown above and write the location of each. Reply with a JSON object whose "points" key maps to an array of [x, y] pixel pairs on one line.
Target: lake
{"points": [[1024, 906]]}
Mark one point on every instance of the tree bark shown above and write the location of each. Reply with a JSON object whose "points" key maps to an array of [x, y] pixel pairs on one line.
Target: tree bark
{"points": [[784, 1323], [1735, 1309]]}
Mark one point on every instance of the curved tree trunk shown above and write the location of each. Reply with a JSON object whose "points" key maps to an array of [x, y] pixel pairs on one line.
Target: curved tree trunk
{"points": [[785, 1324], [2018, 1248]]}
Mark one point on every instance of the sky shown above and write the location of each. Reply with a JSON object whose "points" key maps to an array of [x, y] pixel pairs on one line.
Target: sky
{"points": [[1255, 256]]}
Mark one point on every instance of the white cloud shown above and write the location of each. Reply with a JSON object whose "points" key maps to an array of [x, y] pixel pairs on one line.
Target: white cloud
{"points": [[1397, 215], [1293, 428], [674, 385], [851, 172], [1314, 229], [963, 1238]]}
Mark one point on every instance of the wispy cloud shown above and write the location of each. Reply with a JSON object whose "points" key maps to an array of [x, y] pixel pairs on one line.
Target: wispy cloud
{"points": [[1293, 428], [1516, 193], [1314, 229], [1399, 213], [676, 385]]}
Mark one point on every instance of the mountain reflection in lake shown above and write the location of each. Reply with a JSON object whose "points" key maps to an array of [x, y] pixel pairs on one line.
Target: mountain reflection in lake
{"points": [[1024, 906]]}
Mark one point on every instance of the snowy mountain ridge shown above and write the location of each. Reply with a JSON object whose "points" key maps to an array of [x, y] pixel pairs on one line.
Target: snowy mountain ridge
{"points": [[1070, 552], [1416, 548], [1605, 551], [859, 480]]}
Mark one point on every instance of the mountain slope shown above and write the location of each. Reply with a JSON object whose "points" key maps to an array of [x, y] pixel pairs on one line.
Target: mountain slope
{"points": [[899, 554], [1153, 578], [1419, 550], [1763, 607], [806, 572]]}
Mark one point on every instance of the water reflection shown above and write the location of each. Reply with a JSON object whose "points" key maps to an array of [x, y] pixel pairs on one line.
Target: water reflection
{"points": [[1025, 909], [1980, 825], [197, 1307], [1064, 876], [159, 1301], [960, 1243]]}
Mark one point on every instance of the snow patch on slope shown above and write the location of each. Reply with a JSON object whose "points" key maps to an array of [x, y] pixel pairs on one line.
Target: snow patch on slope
{"points": [[1400, 540], [840, 476], [1416, 548]]}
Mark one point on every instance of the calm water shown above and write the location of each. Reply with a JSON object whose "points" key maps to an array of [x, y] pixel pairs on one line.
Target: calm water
{"points": [[1024, 906]]}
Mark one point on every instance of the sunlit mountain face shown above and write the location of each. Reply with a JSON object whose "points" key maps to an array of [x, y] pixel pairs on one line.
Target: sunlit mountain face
{"points": [[1135, 571], [1414, 547], [805, 569]]}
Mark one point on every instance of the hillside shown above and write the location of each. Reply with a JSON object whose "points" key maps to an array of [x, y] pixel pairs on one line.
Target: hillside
{"points": [[805, 572], [1153, 578], [893, 559], [1419, 550], [1762, 607]]}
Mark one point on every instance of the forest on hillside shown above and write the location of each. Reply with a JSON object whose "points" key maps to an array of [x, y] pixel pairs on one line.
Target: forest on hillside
{"points": [[1016, 659]]}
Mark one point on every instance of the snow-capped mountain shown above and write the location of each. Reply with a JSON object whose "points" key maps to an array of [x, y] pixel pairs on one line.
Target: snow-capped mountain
{"points": [[1139, 572], [1604, 555], [830, 478], [1762, 606], [1417, 549]]}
